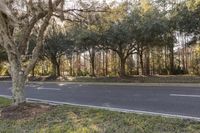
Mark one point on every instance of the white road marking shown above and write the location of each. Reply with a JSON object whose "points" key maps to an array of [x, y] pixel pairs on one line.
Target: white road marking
{"points": [[184, 95], [61, 84], [32, 85], [109, 108], [6, 96], [43, 88]]}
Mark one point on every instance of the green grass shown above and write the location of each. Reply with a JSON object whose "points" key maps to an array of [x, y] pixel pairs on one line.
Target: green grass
{"points": [[139, 79], [70, 119], [4, 102]]}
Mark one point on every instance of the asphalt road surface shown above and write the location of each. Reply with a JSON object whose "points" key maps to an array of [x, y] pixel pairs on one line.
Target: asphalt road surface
{"points": [[173, 100]]}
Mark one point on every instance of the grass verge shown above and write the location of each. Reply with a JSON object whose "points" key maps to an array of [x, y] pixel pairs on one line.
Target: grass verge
{"points": [[71, 119], [4, 102]]}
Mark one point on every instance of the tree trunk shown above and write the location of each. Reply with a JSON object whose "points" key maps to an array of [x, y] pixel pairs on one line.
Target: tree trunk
{"points": [[18, 84], [92, 66], [147, 66], [141, 62], [33, 72], [106, 63], [171, 59], [18, 80], [122, 66], [165, 57], [92, 62], [54, 66], [70, 66], [138, 62], [58, 69], [78, 64], [103, 52]]}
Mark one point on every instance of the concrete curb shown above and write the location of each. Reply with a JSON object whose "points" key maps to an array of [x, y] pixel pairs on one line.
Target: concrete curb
{"points": [[118, 84]]}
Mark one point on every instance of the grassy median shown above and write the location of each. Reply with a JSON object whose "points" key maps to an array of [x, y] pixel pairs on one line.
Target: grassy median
{"points": [[70, 119]]}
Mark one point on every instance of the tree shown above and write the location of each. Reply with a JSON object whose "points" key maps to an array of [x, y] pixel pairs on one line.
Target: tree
{"points": [[186, 17], [29, 15], [27, 20], [87, 41], [56, 45], [150, 32], [119, 38]]}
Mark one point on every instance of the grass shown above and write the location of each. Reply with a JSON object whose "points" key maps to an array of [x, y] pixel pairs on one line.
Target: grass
{"points": [[129, 79], [141, 79], [70, 119], [4, 102]]}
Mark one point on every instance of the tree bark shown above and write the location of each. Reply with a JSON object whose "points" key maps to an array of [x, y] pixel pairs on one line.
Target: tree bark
{"points": [[58, 69], [141, 62], [171, 59], [18, 84], [122, 66], [54, 66], [92, 62], [33, 72], [147, 64], [78, 64], [103, 66], [70, 66], [106, 63]]}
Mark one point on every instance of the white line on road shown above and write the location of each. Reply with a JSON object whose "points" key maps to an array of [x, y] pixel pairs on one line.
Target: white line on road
{"points": [[43, 88], [184, 95], [110, 108]]}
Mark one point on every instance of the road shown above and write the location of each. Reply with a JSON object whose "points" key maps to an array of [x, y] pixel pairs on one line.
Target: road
{"points": [[167, 100]]}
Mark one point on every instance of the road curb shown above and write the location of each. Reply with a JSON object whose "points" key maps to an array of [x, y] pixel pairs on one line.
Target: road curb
{"points": [[118, 84]]}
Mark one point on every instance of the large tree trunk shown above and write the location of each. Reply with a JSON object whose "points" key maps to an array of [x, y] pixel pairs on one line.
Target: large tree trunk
{"points": [[18, 84], [18, 79]]}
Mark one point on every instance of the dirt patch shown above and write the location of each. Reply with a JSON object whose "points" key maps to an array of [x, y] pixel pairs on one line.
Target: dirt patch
{"points": [[24, 111]]}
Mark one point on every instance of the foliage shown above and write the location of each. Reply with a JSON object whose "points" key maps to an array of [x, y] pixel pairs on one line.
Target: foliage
{"points": [[84, 38], [187, 17], [58, 44]]}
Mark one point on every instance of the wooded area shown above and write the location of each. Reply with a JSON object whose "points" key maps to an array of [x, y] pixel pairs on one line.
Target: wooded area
{"points": [[94, 38]]}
